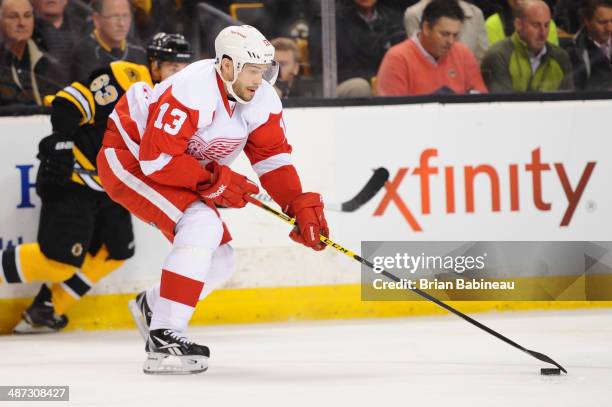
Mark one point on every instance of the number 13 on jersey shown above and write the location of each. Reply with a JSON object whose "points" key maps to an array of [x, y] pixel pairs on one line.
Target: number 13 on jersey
{"points": [[171, 125]]}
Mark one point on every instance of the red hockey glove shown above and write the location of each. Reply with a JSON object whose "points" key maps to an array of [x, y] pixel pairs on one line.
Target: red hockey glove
{"points": [[226, 188], [308, 211]]}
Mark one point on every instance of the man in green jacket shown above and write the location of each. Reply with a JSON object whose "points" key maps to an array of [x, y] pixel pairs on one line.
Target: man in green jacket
{"points": [[525, 61], [500, 25]]}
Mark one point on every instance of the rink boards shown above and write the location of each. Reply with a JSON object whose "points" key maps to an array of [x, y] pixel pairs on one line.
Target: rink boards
{"points": [[486, 171]]}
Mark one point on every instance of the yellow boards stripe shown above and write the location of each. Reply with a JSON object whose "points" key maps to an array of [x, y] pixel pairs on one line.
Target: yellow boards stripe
{"points": [[275, 304]]}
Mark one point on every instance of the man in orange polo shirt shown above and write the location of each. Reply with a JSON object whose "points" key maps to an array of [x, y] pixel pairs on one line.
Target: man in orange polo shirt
{"points": [[432, 61]]}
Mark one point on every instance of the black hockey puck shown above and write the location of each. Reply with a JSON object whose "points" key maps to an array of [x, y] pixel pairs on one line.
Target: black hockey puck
{"points": [[550, 371]]}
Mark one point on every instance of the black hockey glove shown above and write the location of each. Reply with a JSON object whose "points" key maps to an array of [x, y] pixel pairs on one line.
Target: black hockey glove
{"points": [[56, 159]]}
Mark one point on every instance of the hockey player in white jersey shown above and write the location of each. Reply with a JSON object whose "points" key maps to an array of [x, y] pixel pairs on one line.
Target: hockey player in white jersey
{"points": [[166, 158]]}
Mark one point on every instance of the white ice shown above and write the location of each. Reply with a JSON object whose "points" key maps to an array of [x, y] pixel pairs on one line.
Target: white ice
{"points": [[433, 361]]}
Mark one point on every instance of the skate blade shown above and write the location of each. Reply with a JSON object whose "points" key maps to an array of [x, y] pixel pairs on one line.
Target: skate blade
{"points": [[25, 328], [139, 319], [162, 364]]}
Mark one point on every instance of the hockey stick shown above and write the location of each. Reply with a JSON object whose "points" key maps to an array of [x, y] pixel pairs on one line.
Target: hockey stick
{"points": [[329, 242], [93, 173], [371, 188]]}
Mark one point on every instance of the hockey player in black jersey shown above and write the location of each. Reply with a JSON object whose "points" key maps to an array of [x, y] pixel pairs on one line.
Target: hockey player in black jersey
{"points": [[83, 235]]}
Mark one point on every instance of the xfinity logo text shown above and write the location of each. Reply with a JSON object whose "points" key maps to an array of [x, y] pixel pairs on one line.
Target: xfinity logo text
{"points": [[449, 178]]}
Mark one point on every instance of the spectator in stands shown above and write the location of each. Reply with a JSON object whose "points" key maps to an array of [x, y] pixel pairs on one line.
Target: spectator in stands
{"points": [[365, 30], [501, 25], [590, 50], [108, 42], [566, 14], [488, 7], [432, 61], [473, 33], [55, 29], [284, 18], [290, 83], [399, 5], [526, 62], [27, 75], [176, 16]]}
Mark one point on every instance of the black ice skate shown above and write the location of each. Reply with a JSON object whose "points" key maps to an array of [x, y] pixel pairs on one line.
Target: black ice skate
{"points": [[141, 313], [40, 317], [170, 352]]}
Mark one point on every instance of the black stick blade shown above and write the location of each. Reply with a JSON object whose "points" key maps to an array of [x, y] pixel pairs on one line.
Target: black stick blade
{"points": [[375, 184], [544, 358]]}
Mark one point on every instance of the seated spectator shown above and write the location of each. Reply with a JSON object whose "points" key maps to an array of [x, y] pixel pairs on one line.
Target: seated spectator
{"points": [[566, 14], [501, 25], [27, 75], [290, 83], [153, 16], [590, 50], [108, 42], [473, 33], [55, 30], [399, 5], [488, 7], [284, 18], [526, 62], [365, 30], [432, 61]]}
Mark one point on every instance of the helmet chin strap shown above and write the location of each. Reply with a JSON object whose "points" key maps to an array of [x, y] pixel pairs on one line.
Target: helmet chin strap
{"points": [[229, 85], [230, 90]]}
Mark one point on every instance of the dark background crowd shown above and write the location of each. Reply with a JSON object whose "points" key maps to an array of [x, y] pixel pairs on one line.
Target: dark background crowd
{"points": [[383, 48]]}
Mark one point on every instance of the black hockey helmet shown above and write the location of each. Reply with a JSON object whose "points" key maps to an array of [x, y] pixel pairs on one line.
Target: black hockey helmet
{"points": [[169, 47]]}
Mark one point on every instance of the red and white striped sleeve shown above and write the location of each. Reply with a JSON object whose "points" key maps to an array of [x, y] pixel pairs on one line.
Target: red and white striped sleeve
{"points": [[163, 156], [270, 155]]}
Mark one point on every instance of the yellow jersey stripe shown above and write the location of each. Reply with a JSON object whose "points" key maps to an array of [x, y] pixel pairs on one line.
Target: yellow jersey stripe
{"points": [[86, 164], [76, 178], [89, 96], [78, 95], [72, 99], [82, 160]]}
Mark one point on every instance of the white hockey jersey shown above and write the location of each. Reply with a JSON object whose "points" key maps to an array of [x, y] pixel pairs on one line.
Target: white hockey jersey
{"points": [[187, 121]]}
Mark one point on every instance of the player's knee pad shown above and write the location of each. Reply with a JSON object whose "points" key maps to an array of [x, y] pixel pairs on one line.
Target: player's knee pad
{"points": [[222, 267], [189, 261], [200, 226], [198, 235]]}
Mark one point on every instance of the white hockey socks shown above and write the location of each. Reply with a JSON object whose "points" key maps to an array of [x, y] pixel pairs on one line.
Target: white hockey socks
{"points": [[222, 267], [198, 235]]}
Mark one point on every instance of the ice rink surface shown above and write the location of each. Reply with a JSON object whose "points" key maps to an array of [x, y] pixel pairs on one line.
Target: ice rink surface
{"points": [[433, 361]]}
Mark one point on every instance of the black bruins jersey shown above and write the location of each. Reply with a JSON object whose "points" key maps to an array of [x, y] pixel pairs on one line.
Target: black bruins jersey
{"points": [[80, 112]]}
